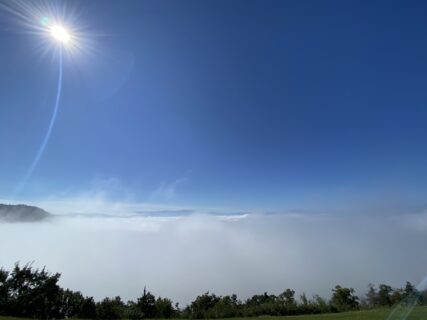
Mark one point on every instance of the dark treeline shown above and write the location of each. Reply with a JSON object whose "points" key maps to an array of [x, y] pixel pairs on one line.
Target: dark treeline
{"points": [[34, 293]]}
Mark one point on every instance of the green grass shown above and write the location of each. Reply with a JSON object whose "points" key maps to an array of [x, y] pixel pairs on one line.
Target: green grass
{"points": [[419, 313]]}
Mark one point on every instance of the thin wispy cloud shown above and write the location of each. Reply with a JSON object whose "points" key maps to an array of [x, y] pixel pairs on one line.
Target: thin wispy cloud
{"points": [[168, 190]]}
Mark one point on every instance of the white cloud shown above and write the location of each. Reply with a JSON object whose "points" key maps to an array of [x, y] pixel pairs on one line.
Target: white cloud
{"points": [[181, 256], [167, 191]]}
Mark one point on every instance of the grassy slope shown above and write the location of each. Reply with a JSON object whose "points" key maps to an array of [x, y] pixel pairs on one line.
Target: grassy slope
{"points": [[419, 313]]}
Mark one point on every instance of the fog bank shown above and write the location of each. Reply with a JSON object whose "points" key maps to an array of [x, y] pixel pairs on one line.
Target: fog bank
{"points": [[183, 256]]}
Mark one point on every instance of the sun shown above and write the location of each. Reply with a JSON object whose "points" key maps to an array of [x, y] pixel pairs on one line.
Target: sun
{"points": [[60, 34]]}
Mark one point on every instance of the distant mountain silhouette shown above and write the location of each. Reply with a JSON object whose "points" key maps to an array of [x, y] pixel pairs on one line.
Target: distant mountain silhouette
{"points": [[22, 213]]}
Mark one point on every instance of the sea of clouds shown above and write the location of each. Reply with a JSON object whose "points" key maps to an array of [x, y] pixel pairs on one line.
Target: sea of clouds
{"points": [[108, 249]]}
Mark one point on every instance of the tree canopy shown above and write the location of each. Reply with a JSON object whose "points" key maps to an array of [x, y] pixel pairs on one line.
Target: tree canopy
{"points": [[35, 293]]}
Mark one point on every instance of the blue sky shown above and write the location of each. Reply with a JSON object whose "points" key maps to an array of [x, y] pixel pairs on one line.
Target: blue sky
{"points": [[248, 105], [299, 124]]}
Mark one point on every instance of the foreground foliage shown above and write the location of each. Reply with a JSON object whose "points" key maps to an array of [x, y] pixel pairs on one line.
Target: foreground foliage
{"points": [[33, 293]]}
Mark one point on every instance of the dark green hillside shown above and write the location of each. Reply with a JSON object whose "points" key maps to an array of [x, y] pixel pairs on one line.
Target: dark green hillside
{"points": [[21, 213]]}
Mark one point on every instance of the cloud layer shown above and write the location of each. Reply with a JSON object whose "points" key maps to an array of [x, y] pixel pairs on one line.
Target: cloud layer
{"points": [[127, 247]]}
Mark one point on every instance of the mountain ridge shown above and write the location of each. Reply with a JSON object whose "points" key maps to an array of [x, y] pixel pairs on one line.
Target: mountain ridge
{"points": [[22, 213]]}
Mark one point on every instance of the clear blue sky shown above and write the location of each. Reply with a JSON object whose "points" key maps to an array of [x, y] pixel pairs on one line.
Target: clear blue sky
{"points": [[252, 105]]}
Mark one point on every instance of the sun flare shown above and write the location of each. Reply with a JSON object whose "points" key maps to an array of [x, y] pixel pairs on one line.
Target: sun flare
{"points": [[60, 34]]}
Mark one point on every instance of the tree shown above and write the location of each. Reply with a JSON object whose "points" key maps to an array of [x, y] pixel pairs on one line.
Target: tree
{"points": [[396, 296], [110, 309], [33, 293], [310, 306], [384, 295], [88, 309], [226, 307], [372, 296], [164, 308], [147, 304], [319, 304], [423, 297], [4, 292], [201, 307], [344, 299], [70, 303], [75, 305], [132, 311], [409, 290], [287, 297]]}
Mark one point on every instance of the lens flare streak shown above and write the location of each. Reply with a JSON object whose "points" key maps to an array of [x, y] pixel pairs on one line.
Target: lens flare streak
{"points": [[49, 130], [404, 308]]}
